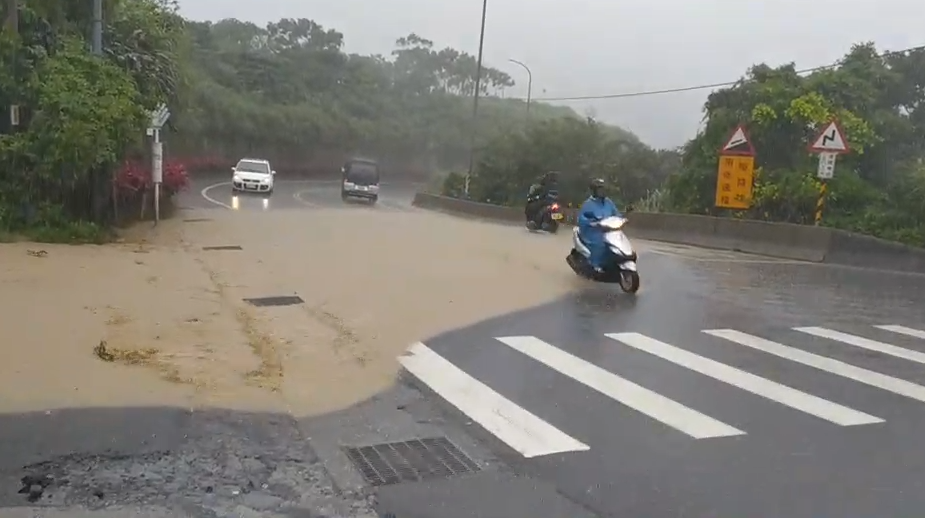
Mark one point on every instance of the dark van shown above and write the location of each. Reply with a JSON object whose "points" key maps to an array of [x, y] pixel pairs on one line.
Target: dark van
{"points": [[360, 180]]}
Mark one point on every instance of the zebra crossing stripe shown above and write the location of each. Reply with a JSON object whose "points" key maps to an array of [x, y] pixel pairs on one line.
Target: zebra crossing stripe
{"points": [[823, 363], [903, 330], [813, 405], [522, 431], [864, 343], [645, 401]]}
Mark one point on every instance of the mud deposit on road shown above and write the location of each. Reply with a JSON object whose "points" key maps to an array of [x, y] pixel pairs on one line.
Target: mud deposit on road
{"points": [[158, 320], [373, 282]]}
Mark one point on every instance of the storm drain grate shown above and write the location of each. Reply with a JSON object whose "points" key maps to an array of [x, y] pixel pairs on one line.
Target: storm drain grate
{"points": [[196, 220], [275, 301], [410, 461], [225, 247]]}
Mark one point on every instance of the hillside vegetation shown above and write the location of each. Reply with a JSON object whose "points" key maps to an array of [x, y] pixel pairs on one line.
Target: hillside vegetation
{"points": [[77, 158], [878, 189]]}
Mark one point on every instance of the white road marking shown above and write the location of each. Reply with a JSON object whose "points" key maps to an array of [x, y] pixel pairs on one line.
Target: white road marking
{"points": [[864, 343], [205, 194], [298, 198], [643, 400], [524, 432], [813, 405], [823, 363], [903, 330]]}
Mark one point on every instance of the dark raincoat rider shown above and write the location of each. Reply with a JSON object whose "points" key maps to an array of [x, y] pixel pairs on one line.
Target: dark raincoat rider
{"points": [[596, 208], [539, 195]]}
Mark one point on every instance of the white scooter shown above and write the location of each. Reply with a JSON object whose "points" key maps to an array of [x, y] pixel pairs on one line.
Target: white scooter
{"points": [[620, 262]]}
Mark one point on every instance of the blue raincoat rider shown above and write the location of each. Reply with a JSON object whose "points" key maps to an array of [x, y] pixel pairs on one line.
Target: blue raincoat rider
{"points": [[596, 208]]}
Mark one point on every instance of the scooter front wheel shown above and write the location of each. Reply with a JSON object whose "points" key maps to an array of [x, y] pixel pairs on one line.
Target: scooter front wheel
{"points": [[629, 281]]}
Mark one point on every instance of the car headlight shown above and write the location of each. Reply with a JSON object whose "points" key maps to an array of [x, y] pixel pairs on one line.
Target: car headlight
{"points": [[236, 178]]}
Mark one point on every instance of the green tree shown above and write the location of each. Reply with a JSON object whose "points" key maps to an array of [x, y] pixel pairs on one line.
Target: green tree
{"points": [[82, 114], [579, 150], [288, 92], [878, 101]]}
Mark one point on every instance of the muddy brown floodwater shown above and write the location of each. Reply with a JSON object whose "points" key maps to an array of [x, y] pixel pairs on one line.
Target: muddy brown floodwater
{"points": [[157, 320]]}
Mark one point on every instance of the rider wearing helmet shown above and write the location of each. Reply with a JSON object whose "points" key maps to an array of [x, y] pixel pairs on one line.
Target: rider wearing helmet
{"points": [[539, 194], [596, 208]]}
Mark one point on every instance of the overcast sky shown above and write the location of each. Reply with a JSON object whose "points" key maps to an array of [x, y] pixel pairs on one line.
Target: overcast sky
{"points": [[593, 47]]}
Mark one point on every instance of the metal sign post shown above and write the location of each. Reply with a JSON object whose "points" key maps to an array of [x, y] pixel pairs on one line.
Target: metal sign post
{"points": [[158, 119], [829, 143]]}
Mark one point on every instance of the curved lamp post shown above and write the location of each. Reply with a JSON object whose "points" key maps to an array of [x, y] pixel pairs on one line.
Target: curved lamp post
{"points": [[529, 81]]}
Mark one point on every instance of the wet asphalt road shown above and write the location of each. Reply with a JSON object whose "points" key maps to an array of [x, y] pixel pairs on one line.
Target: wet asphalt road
{"points": [[784, 454], [725, 443], [215, 192]]}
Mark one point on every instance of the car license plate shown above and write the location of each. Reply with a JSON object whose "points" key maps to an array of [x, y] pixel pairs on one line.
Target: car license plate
{"points": [[362, 188], [556, 215]]}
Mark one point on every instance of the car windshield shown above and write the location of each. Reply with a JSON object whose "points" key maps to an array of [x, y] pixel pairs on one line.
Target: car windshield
{"points": [[247, 166], [363, 173]]}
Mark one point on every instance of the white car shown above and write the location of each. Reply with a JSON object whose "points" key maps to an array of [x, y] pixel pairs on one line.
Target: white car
{"points": [[252, 175]]}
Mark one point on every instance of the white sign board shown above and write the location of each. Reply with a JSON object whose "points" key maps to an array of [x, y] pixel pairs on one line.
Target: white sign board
{"points": [[826, 170], [159, 117], [157, 162], [830, 140]]}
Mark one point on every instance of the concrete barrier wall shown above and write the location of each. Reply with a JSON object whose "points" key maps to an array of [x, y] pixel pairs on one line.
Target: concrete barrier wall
{"points": [[784, 240]]}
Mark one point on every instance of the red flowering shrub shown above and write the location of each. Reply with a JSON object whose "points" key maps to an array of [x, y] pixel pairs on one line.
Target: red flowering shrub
{"points": [[133, 177], [176, 177]]}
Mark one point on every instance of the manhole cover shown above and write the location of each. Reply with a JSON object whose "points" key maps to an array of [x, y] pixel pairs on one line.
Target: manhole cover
{"points": [[410, 461], [275, 301], [196, 220], [227, 247]]}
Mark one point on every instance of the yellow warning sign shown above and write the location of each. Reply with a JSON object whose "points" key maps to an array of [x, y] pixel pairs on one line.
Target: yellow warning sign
{"points": [[734, 181]]}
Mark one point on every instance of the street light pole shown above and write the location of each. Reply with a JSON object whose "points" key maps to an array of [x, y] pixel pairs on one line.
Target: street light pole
{"points": [[475, 98], [97, 45], [529, 81]]}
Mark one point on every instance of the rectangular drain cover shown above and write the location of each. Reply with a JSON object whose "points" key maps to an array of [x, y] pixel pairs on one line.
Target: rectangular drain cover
{"points": [[410, 461], [275, 301], [227, 247], [196, 220]]}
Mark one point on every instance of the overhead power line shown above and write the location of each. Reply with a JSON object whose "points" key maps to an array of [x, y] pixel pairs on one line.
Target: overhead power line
{"points": [[706, 86]]}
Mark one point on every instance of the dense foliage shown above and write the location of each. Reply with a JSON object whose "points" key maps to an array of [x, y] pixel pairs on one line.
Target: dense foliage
{"points": [[878, 189], [80, 114], [578, 149], [288, 92]]}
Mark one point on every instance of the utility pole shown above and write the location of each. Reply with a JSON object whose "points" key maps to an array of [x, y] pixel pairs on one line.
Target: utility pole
{"points": [[475, 99], [529, 81], [97, 39], [12, 24], [12, 15]]}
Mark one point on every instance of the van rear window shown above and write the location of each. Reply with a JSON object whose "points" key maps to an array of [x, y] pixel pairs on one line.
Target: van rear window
{"points": [[363, 173]]}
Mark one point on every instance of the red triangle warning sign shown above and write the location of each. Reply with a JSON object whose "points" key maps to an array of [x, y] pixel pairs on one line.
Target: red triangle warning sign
{"points": [[830, 140], [738, 143]]}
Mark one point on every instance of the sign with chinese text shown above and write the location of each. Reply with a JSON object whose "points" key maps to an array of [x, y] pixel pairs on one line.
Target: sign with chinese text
{"points": [[734, 181]]}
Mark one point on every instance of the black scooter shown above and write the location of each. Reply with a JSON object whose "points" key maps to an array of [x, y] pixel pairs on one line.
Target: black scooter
{"points": [[547, 218]]}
